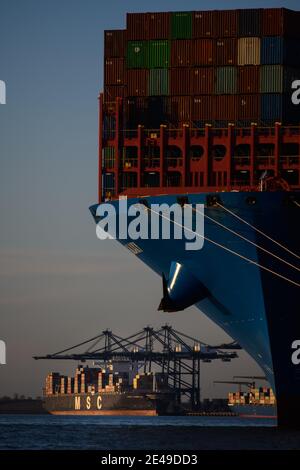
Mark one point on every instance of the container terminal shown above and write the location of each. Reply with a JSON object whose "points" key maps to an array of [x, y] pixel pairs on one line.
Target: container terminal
{"points": [[152, 372], [202, 107]]}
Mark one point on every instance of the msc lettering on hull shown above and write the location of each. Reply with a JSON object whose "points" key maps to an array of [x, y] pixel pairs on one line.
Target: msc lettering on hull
{"points": [[85, 403]]}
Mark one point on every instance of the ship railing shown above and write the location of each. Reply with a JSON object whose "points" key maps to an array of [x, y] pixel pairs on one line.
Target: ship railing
{"points": [[130, 133], [241, 160], [289, 159], [151, 162], [266, 131], [265, 159], [293, 130], [242, 132], [195, 132], [174, 133], [174, 162], [151, 133]]}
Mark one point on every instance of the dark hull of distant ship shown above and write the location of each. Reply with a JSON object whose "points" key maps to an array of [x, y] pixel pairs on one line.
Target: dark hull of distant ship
{"points": [[108, 404]]}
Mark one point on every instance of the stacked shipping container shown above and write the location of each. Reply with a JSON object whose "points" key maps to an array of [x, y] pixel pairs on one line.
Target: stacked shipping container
{"points": [[202, 71], [256, 396], [237, 62]]}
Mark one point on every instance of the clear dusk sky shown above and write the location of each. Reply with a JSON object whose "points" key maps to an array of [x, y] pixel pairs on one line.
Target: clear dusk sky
{"points": [[58, 283]]}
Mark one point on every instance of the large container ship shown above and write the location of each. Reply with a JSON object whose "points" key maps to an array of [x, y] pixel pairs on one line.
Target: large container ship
{"points": [[109, 391], [202, 108], [256, 403]]}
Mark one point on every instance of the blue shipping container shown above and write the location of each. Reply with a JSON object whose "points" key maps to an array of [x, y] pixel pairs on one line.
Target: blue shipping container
{"points": [[277, 50], [279, 107], [272, 50], [271, 106]]}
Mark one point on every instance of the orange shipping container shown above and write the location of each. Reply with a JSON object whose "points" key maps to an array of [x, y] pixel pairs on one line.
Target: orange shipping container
{"points": [[248, 79], [203, 108], [202, 80], [137, 82], [226, 23], [182, 53], [204, 52], [280, 22], [114, 71], [225, 107], [248, 107], [204, 24], [180, 81], [114, 43], [158, 25], [226, 51], [137, 26]]}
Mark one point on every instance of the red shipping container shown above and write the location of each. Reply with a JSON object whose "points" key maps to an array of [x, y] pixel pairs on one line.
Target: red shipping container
{"points": [[280, 21], [180, 108], [114, 69], [248, 79], [204, 52], [180, 81], [182, 53], [202, 80], [137, 82], [248, 107], [226, 107], [203, 108], [114, 43], [272, 22], [137, 26], [226, 51], [204, 24], [226, 23], [111, 92], [158, 25]]}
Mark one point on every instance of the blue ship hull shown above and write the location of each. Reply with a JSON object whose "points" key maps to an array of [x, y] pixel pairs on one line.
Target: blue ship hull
{"points": [[254, 306], [254, 411]]}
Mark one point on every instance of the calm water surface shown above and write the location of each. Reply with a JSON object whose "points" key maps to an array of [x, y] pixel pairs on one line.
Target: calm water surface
{"points": [[121, 432]]}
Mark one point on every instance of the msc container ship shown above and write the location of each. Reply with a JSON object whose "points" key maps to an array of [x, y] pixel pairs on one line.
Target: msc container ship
{"points": [[202, 108], [108, 391]]}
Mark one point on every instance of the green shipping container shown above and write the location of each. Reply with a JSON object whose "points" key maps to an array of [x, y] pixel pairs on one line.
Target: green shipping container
{"points": [[226, 83], [137, 54], [158, 82], [271, 79], [181, 25], [159, 54]]}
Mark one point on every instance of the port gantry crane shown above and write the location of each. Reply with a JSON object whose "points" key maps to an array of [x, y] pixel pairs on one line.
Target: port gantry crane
{"points": [[176, 354], [249, 383]]}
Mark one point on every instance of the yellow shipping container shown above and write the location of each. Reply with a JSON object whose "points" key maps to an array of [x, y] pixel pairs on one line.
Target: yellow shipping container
{"points": [[249, 51]]}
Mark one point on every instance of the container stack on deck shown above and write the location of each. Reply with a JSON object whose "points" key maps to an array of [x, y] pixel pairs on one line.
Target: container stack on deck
{"points": [[200, 67], [194, 69], [96, 380], [256, 396]]}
